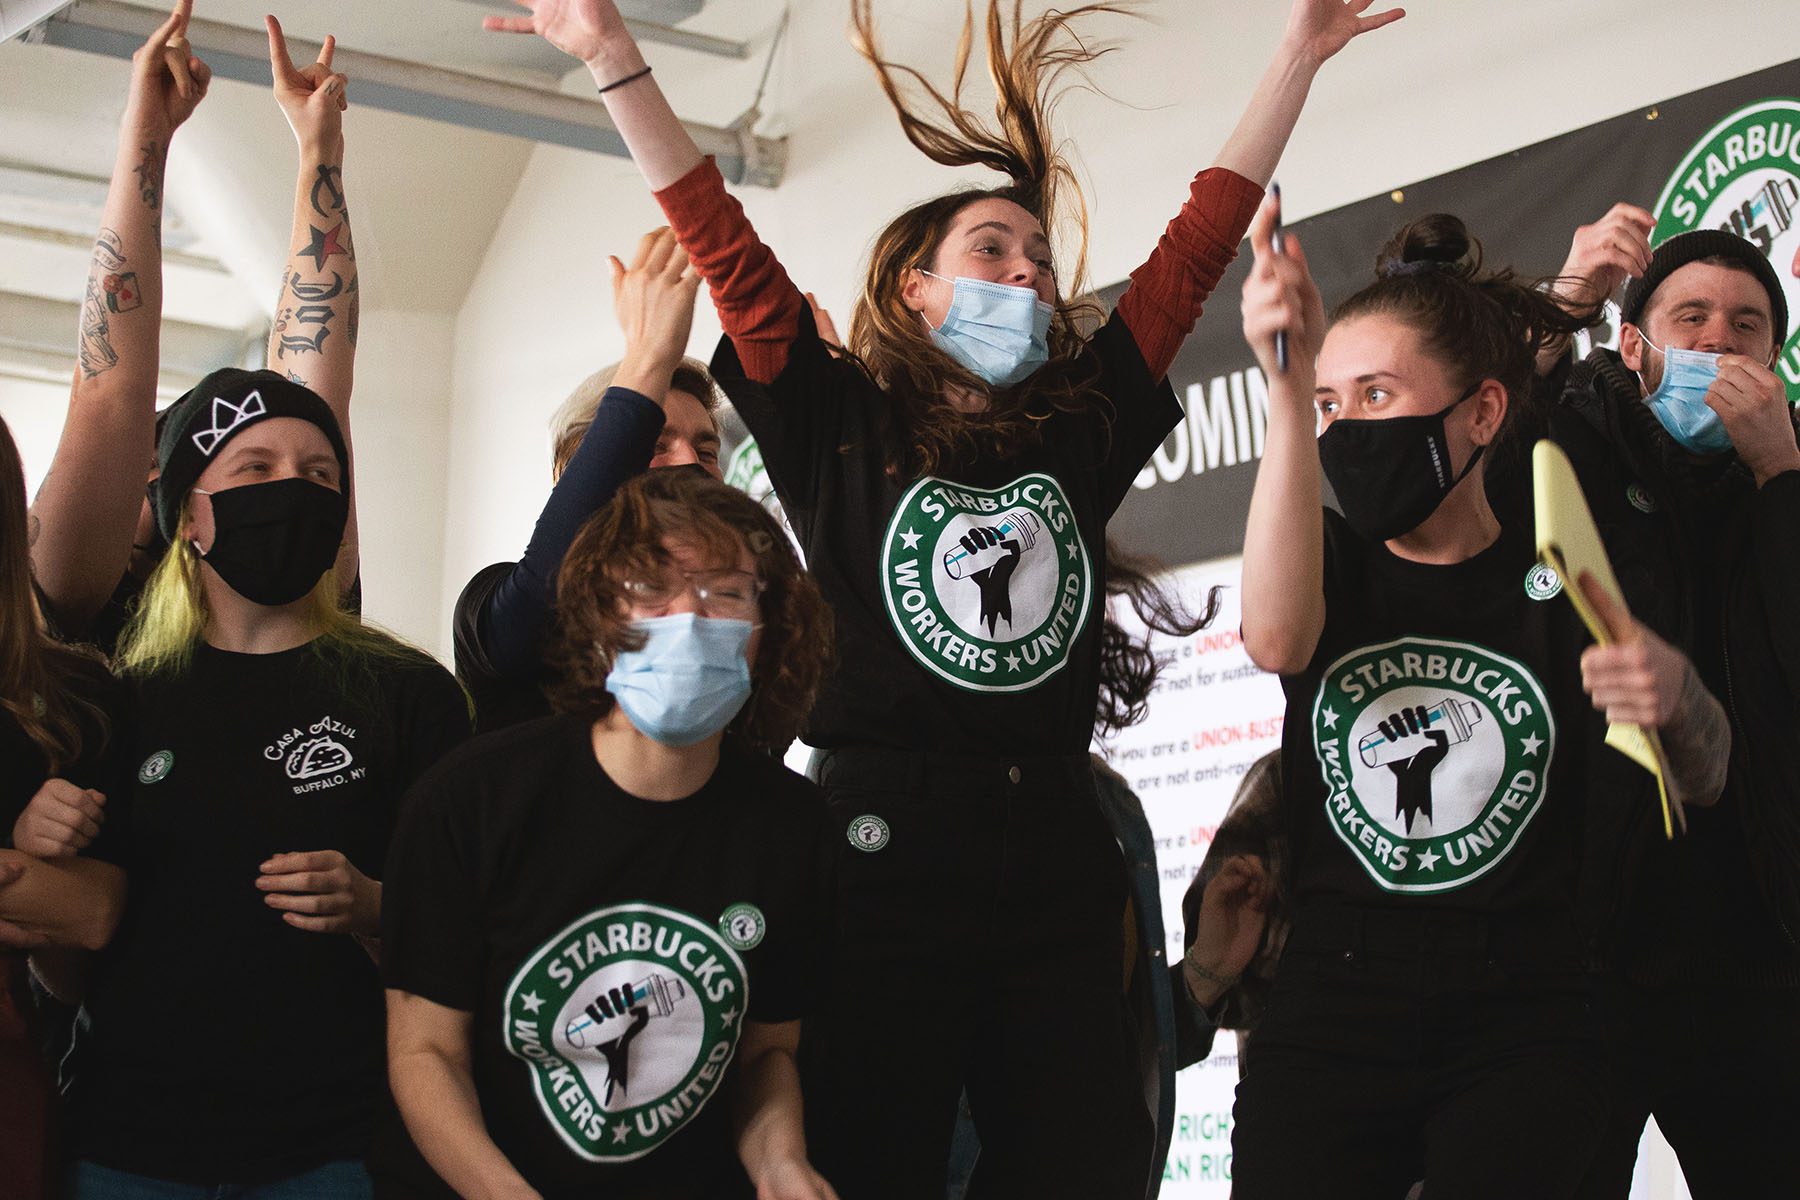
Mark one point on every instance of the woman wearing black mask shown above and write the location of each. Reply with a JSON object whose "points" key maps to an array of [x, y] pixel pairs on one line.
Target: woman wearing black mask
{"points": [[1436, 743], [236, 1030]]}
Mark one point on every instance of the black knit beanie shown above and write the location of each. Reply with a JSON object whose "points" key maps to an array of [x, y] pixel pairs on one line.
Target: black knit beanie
{"points": [[220, 407], [1685, 248]]}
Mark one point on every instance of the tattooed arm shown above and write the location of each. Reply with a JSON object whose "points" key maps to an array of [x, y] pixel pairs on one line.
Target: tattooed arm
{"points": [[314, 337], [85, 514]]}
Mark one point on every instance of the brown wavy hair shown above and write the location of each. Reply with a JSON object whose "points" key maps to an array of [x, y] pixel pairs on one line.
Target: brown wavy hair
{"points": [[627, 537], [32, 664], [1027, 62], [1129, 666]]}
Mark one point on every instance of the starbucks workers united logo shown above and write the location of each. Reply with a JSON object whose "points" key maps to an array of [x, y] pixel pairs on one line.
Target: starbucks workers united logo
{"points": [[987, 587], [1743, 176], [1435, 756], [628, 1019]]}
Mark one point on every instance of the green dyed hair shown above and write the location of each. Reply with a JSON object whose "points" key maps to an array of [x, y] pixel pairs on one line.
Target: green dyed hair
{"points": [[171, 619]]}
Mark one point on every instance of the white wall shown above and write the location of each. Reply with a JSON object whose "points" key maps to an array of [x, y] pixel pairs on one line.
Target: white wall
{"points": [[1497, 77], [400, 418], [34, 415]]}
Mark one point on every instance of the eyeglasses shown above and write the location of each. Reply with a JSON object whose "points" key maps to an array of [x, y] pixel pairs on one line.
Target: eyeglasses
{"points": [[730, 594]]}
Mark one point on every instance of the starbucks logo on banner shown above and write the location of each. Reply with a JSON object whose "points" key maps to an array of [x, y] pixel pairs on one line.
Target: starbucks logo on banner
{"points": [[1744, 177], [1435, 756], [987, 587], [628, 1018]]}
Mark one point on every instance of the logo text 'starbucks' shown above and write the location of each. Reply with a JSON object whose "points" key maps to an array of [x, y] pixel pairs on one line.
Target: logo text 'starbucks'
{"points": [[987, 587], [628, 1019], [1744, 177], [1435, 756]]}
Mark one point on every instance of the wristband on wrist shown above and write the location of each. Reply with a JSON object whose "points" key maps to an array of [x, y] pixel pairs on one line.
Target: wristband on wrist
{"points": [[619, 83], [1225, 982]]}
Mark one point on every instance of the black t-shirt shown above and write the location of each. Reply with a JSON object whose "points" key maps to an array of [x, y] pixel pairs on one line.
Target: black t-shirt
{"points": [[969, 606], [501, 698], [528, 889], [226, 1045], [1434, 748]]}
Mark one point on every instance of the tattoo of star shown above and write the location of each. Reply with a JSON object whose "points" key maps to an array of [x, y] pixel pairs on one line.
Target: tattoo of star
{"points": [[324, 245]]}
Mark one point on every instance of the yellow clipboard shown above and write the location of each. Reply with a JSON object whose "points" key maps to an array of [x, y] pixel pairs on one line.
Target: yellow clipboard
{"points": [[1569, 543]]}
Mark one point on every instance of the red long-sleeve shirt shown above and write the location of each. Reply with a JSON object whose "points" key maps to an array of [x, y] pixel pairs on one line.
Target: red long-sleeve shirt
{"points": [[759, 305]]}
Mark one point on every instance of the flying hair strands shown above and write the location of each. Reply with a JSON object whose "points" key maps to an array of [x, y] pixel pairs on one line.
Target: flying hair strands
{"points": [[1026, 62]]}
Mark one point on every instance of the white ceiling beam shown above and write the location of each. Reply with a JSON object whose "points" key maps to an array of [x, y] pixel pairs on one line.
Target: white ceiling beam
{"points": [[37, 341], [16, 16], [455, 97]]}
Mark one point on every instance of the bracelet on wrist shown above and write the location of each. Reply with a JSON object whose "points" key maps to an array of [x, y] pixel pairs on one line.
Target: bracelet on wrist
{"points": [[622, 81], [1223, 982]]}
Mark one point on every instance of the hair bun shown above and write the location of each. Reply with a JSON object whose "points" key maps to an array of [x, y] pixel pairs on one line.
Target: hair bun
{"points": [[1435, 243]]}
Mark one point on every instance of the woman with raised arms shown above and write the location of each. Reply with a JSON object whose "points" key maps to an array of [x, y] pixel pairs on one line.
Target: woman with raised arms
{"points": [[950, 475]]}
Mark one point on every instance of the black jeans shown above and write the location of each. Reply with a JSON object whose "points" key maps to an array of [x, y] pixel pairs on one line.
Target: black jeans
{"points": [[1405, 1046], [978, 943], [1720, 1069]]}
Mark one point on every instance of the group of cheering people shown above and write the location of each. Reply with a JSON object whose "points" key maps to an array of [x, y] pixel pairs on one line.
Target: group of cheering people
{"points": [[627, 953]]}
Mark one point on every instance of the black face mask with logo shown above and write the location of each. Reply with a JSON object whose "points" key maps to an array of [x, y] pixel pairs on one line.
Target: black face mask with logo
{"points": [[272, 541], [1391, 473]]}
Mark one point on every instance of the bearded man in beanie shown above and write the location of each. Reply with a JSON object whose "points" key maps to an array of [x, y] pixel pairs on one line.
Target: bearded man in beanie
{"points": [[1686, 447]]}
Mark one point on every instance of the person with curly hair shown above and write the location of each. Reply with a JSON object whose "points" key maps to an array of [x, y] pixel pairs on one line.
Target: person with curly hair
{"points": [[597, 922]]}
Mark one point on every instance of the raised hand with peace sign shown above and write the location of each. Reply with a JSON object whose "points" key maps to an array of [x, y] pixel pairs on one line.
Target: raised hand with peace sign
{"points": [[318, 312], [312, 98], [90, 511]]}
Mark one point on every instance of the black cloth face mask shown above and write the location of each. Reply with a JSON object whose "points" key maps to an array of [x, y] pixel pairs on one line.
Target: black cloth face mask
{"points": [[1391, 473], [273, 541]]}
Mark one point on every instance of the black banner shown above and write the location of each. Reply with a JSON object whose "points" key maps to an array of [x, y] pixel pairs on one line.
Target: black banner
{"points": [[1727, 156]]}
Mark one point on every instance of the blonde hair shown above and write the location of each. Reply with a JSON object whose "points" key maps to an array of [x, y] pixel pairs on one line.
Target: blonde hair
{"points": [[569, 424], [171, 618]]}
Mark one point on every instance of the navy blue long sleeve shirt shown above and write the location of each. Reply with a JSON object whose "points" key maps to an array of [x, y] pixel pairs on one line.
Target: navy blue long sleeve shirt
{"points": [[504, 613]]}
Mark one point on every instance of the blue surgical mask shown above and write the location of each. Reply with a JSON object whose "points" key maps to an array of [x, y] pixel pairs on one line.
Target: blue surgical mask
{"points": [[1679, 401], [998, 331], [689, 679]]}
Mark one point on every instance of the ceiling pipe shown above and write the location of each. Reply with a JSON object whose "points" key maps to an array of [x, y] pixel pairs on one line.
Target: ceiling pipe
{"points": [[455, 97]]}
